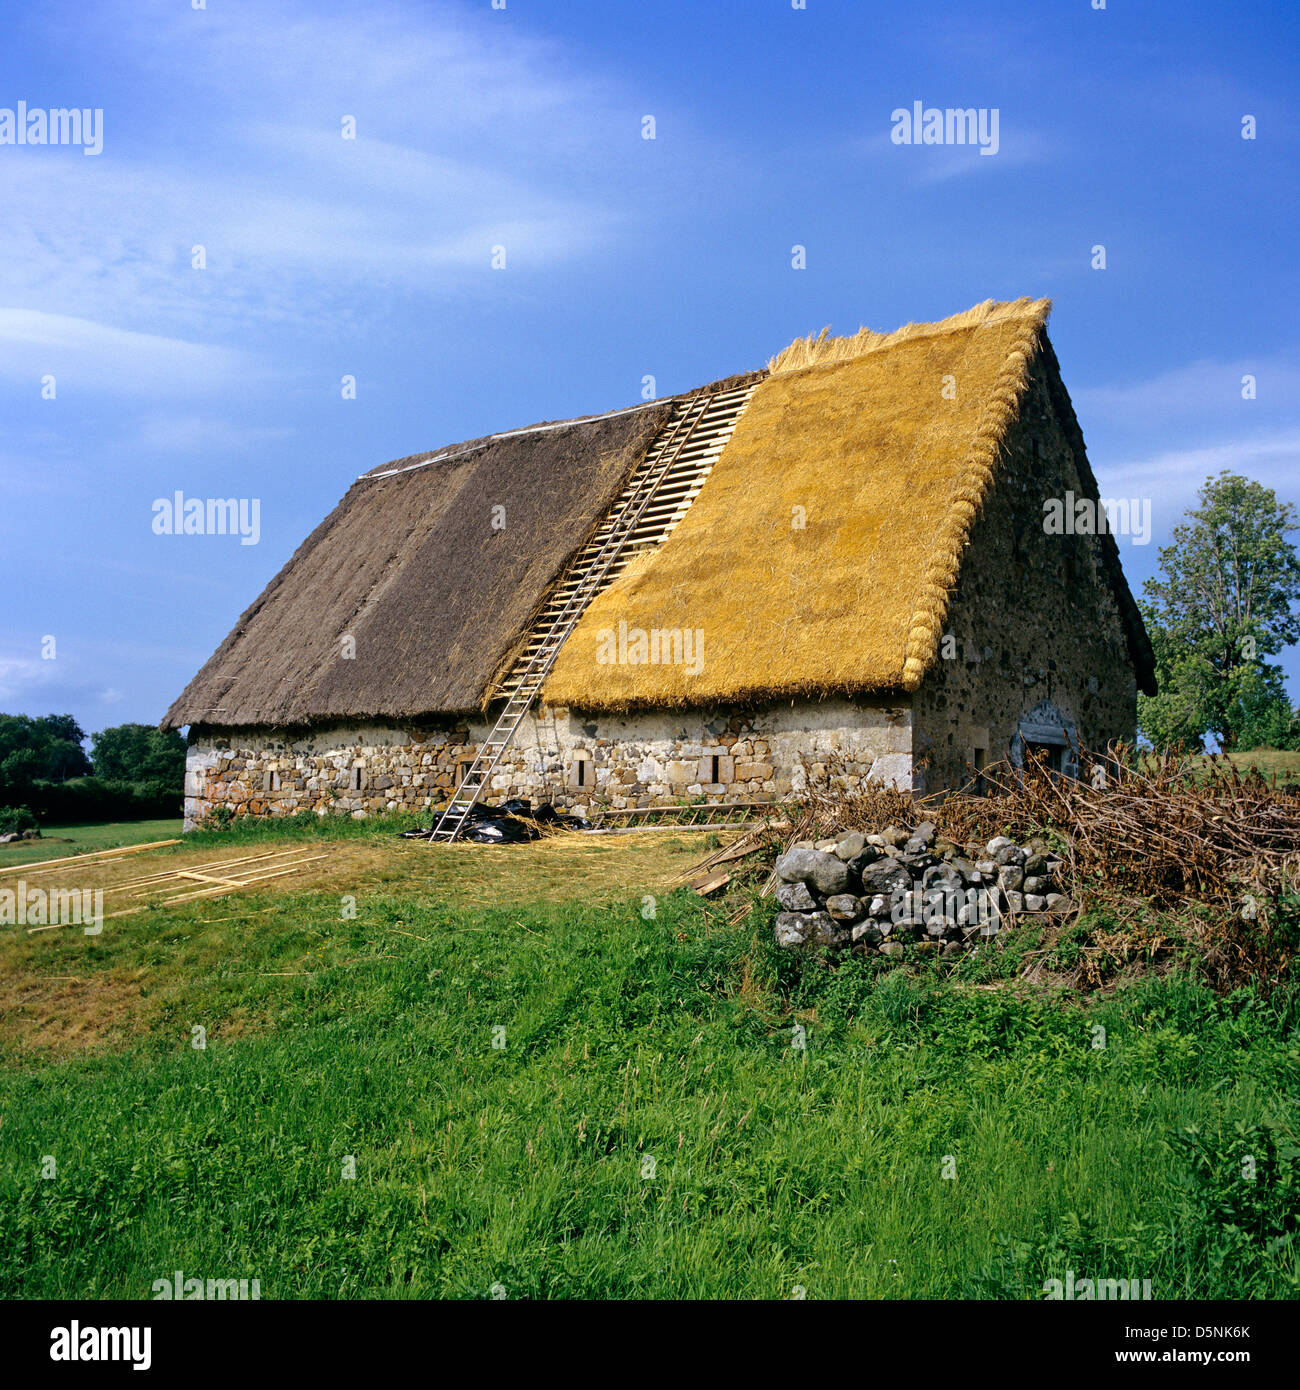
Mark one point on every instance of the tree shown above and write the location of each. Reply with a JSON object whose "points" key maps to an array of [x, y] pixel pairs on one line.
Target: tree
{"points": [[1221, 605], [139, 753], [1263, 717], [46, 749]]}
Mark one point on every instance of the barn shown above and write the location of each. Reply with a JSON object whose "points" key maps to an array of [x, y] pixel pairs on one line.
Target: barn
{"points": [[836, 563]]}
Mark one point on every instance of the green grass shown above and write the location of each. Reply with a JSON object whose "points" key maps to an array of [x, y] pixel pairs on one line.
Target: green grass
{"points": [[627, 1037], [59, 840], [1272, 762]]}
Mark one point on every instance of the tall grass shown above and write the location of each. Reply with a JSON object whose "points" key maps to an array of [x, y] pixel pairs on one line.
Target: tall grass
{"points": [[800, 1119]]}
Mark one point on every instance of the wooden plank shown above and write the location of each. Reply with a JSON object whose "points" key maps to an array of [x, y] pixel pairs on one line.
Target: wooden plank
{"points": [[215, 864], [717, 807], [710, 882], [216, 892], [738, 851], [247, 883], [38, 866], [667, 829], [209, 878]]}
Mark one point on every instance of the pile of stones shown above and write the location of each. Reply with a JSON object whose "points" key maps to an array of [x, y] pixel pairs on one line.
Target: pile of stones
{"points": [[873, 894]]}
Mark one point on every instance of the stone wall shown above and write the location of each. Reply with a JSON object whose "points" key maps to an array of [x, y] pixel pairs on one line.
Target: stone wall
{"points": [[1034, 623], [562, 756]]}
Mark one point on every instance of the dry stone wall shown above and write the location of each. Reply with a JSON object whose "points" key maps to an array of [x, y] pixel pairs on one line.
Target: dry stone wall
{"points": [[882, 894]]}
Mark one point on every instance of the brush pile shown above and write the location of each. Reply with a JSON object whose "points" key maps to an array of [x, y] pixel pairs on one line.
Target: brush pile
{"points": [[1170, 834]]}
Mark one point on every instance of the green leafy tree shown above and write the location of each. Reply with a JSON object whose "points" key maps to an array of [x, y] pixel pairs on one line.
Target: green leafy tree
{"points": [[1222, 604], [139, 753], [1263, 717], [44, 749]]}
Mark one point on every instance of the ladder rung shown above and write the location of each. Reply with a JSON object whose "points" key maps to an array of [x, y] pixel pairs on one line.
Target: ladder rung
{"points": [[654, 499]]}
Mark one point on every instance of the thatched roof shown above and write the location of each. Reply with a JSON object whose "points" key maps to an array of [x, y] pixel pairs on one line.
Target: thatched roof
{"points": [[855, 436], [410, 566]]}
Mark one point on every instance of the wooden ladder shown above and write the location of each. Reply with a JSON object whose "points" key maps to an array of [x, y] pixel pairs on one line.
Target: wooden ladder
{"points": [[677, 488], [581, 584]]}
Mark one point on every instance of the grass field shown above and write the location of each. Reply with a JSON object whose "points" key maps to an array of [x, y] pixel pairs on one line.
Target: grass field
{"points": [[1271, 762], [553, 1076], [60, 840]]}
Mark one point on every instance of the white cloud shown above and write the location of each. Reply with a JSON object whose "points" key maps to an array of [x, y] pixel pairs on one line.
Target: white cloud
{"points": [[1193, 391], [469, 133], [938, 163], [47, 685], [20, 676], [80, 353], [192, 433], [1172, 477]]}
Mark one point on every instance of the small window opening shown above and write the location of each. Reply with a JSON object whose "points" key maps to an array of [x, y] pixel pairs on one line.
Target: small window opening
{"points": [[356, 779], [981, 758], [717, 767], [582, 772], [1048, 755]]}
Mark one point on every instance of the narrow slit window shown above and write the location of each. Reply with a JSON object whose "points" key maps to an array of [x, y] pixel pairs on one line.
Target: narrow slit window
{"points": [[717, 767], [582, 772]]}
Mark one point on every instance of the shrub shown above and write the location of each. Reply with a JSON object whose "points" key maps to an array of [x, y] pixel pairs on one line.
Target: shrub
{"points": [[16, 818], [1242, 1199]]}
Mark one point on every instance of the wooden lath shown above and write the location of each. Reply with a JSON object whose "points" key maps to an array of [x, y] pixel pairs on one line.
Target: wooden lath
{"points": [[672, 496], [90, 859], [211, 880], [720, 815], [641, 517]]}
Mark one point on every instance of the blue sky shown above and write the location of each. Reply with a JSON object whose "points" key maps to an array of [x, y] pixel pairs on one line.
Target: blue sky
{"points": [[625, 257]]}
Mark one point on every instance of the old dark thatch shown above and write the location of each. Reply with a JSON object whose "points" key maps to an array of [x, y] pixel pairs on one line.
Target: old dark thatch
{"points": [[411, 567]]}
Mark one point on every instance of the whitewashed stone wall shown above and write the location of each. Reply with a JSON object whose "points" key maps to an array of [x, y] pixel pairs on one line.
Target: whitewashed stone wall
{"points": [[562, 756]]}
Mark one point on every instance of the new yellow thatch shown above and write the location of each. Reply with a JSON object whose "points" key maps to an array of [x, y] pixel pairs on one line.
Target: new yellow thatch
{"points": [[820, 556]]}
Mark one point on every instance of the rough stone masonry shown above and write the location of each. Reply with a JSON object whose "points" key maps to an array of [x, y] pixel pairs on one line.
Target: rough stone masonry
{"points": [[872, 894]]}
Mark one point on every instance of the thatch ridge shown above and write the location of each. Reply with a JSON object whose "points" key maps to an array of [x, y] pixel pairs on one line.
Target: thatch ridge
{"points": [[821, 350]]}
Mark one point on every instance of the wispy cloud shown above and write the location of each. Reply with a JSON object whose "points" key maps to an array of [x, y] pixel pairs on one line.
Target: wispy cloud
{"points": [[78, 352], [24, 682], [215, 433], [1172, 477], [469, 134], [1191, 392], [922, 164]]}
